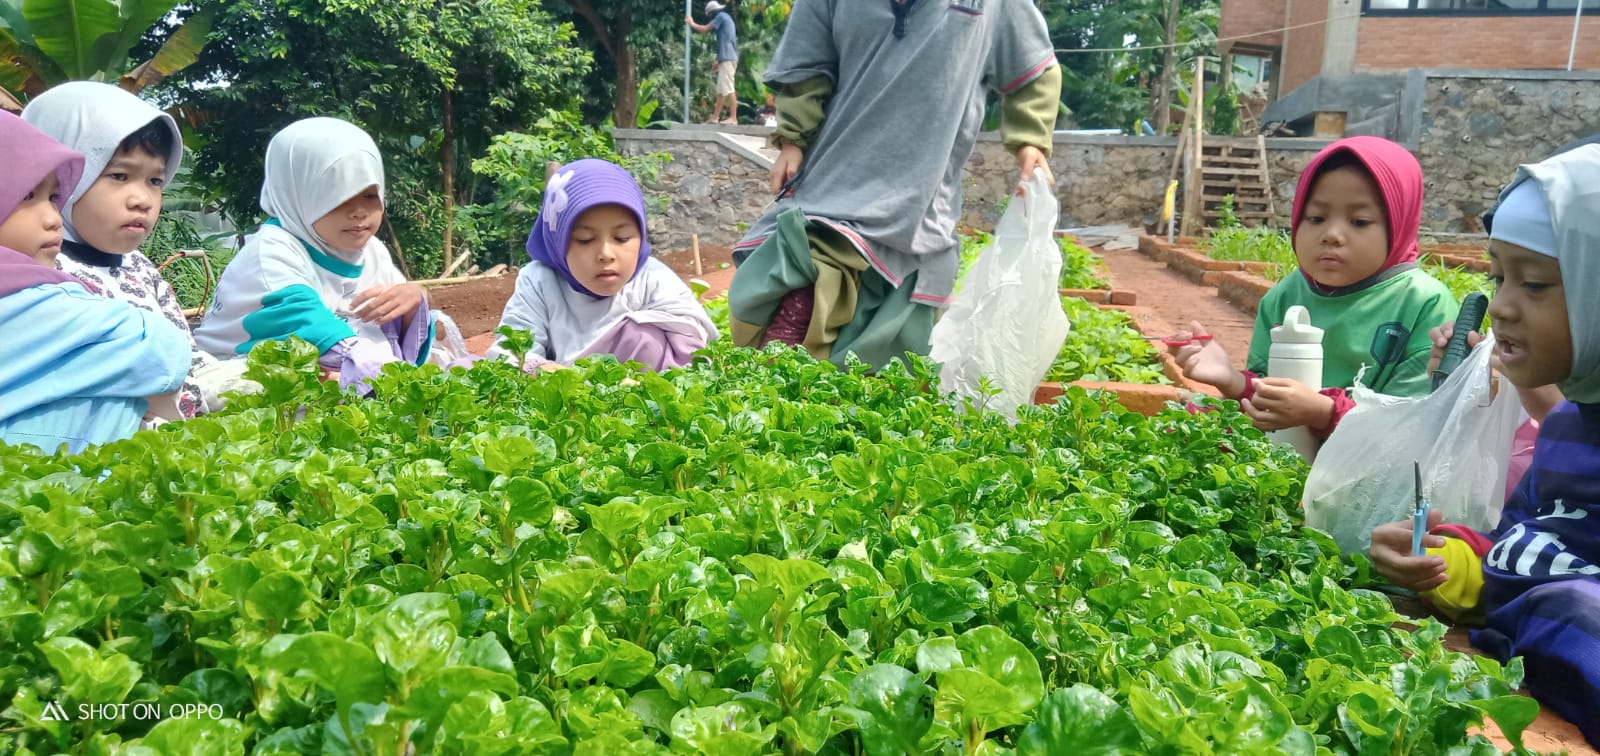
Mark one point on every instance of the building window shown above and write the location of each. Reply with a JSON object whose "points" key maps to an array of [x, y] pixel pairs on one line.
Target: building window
{"points": [[1476, 7]]}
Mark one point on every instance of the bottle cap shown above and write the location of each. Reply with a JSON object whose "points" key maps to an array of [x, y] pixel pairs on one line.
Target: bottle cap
{"points": [[1297, 328]]}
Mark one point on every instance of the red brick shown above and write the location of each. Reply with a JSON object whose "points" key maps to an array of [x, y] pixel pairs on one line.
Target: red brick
{"points": [[1518, 42]]}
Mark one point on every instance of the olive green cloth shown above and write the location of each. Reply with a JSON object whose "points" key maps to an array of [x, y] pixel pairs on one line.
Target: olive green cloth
{"points": [[855, 309]]}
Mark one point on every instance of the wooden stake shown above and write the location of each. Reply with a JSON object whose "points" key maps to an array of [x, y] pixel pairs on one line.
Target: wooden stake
{"points": [[694, 242], [1193, 200]]}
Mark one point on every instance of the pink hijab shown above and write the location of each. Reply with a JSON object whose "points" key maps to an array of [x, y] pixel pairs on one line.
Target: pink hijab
{"points": [[30, 156], [1399, 178]]}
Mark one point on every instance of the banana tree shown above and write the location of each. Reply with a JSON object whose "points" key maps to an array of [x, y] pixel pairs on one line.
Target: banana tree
{"points": [[46, 42]]}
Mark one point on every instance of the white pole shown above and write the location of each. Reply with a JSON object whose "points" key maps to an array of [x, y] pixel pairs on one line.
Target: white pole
{"points": [[687, 11], [1572, 51]]}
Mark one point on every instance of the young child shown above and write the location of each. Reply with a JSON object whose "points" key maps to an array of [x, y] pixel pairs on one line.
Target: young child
{"points": [[75, 368], [1536, 578], [315, 269], [593, 287], [1356, 214], [879, 106], [132, 151]]}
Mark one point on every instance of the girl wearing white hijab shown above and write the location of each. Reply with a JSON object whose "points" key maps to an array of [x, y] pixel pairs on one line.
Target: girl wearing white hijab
{"points": [[315, 268], [131, 151]]}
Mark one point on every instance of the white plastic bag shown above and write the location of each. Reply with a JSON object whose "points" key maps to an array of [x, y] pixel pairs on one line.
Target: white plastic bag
{"points": [[1007, 323], [1363, 476]]}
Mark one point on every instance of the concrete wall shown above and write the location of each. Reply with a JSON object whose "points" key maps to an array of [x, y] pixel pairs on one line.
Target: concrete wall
{"points": [[1461, 41]]}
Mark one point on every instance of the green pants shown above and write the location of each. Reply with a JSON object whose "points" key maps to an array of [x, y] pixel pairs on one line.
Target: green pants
{"points": [[856, 309]]}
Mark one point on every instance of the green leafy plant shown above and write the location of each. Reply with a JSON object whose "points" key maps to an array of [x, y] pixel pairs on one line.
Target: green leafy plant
{"points": [[1080, 268], [757, 553], [1259, 244], [1103, 345], [46, 43]]}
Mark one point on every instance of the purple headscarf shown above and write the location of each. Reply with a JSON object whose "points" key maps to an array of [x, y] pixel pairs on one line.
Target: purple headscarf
{"points": [[576, 187], [30, 156]]}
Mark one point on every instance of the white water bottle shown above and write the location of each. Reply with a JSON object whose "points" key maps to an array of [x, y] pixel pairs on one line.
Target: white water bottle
{"points": [[1297, 354]]}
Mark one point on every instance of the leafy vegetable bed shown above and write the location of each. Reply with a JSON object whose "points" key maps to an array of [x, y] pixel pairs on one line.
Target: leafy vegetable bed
{"points": [[1103, 345], [758, 554], [1080, 269]]}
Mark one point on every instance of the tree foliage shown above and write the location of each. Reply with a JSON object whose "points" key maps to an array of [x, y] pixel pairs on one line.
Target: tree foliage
{"points": [[46, 43], [396, 68], [638, 52], [1113, 89]]}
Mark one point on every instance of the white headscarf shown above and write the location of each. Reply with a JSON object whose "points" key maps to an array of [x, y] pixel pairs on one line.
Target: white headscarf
{"points": [[93, 118], [313, 167], [1570, 183]]}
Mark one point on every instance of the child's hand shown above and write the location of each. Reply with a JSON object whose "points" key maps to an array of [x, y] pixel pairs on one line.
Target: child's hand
{"points": [[1441, 339], [1537, 401], [1391, 554], [785, 167], [1206, 361], [1286, 403], [381, 304], [1030, 157]]}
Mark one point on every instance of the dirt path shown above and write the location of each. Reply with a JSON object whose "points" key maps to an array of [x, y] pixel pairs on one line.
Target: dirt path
{"points": [[1177, 300]]}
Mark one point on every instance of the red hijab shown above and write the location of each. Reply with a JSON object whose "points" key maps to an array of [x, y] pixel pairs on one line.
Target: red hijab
{"points": [[1399, 179]]}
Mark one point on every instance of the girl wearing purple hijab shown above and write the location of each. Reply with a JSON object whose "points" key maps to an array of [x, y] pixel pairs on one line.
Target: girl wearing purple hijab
{"points": [[592, 287], [76, 368]]}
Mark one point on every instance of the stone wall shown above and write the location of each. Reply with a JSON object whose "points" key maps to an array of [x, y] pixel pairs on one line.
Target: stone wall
{"points": [[709, 187], [1469, 129], [714, 189], [1476, 127]]}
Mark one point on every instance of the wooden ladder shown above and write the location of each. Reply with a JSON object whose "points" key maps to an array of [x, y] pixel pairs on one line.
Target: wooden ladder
{"points": [[1237, 167]]}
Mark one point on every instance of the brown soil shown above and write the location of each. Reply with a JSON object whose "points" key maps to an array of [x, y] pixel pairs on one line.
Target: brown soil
{"points": [[712, 260], [1177, 300]]}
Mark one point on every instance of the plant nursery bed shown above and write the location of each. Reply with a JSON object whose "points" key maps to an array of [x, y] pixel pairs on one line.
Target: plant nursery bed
{"points": [[1202, 269], [1144, 398], [1243, 290]]}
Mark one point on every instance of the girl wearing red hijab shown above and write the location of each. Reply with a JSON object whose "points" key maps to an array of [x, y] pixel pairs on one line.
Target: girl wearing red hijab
{"points": [[1356, 213]]}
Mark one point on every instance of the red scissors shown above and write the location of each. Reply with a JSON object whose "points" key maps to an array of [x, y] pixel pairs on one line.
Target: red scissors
{"points": [[1178, 341]]}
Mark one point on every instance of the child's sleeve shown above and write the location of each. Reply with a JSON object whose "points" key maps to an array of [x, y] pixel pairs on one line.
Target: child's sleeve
{"points": [[806, 49], [1028, 114], [102, 348], [1463, 553], [525, 310], [1021, 50], [288, 304], [800, 111]]}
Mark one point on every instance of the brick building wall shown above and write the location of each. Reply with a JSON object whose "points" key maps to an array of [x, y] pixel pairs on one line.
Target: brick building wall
{"points": [[1516, 42], [1302, 56], [1261, 19]]}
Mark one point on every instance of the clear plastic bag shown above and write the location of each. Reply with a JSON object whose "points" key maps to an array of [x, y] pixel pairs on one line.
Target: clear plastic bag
{"points": [[1461, 434], [1007, 324]]}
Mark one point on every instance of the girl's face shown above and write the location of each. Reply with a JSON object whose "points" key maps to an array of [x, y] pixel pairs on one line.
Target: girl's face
{"points": [[1343, 236], [1529, 313], [120, 208], [603, 251], [34, 227], [348, 227]]}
